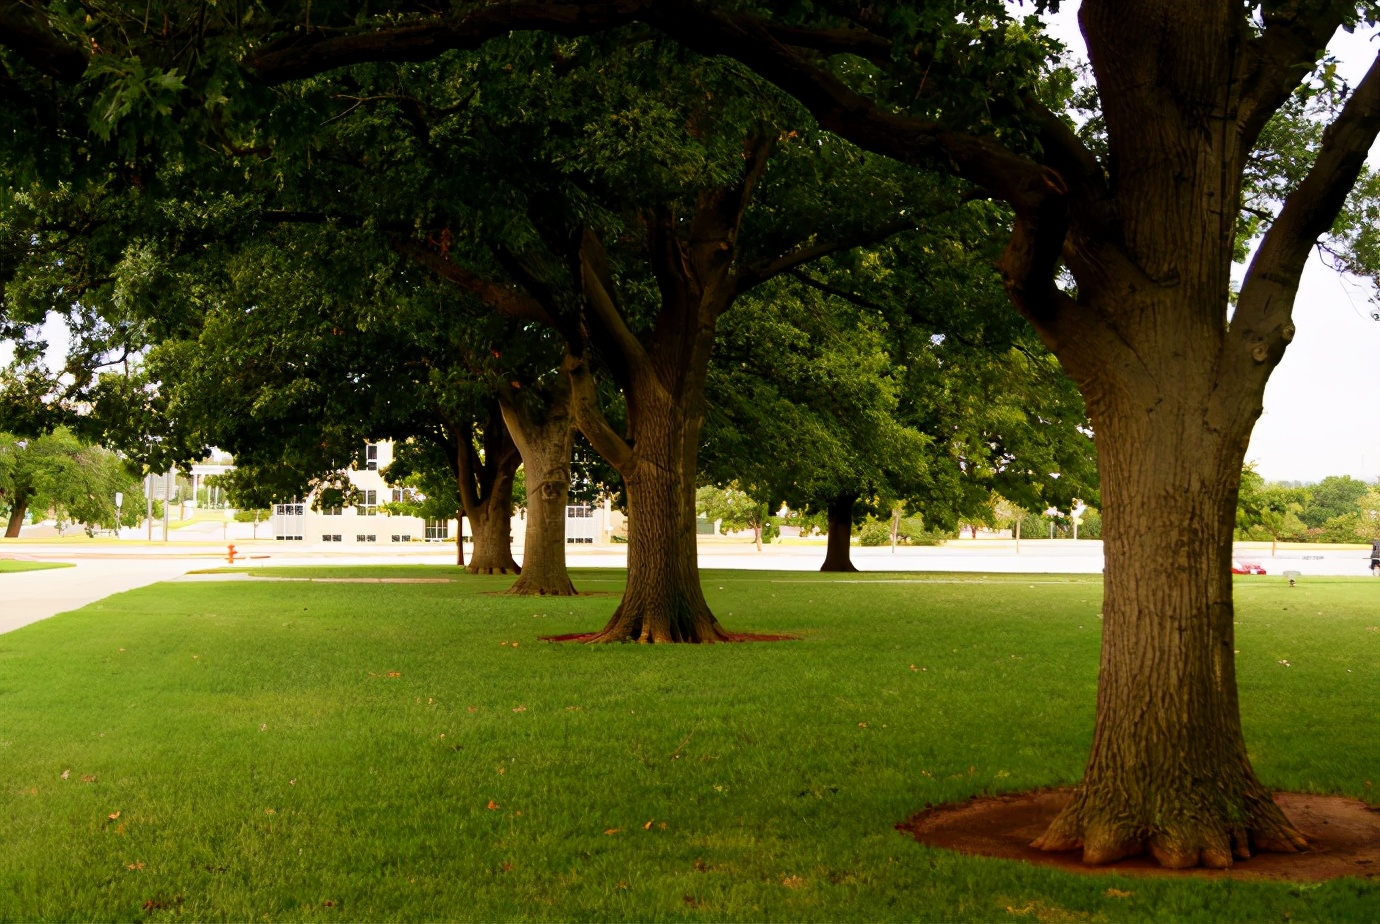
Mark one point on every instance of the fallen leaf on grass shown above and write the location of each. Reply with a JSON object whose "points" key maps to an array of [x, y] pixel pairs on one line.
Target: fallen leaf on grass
{"points": [[87, 777], [263, 727], [1117, 893], [862, 724], [507, 867], [648, 825], [471, 708], [520, 709], [492, 805], [515, 644], [622, 885], [395, 673], [133, 866], [793, 882], [613, 830], [113, 815], [329, 903], [270, 811], [65, 774]]}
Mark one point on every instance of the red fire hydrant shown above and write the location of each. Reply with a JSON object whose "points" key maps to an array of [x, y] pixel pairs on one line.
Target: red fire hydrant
{"points": [[230, 555]]}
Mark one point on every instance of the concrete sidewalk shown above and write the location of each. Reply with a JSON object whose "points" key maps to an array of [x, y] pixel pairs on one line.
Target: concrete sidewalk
{"points": [[28, 596]]}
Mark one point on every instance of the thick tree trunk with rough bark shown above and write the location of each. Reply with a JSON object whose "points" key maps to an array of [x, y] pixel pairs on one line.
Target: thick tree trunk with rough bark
{"points": [[1168, 771], [663, 601], [18, 508], [545, 437], [839, 553]]}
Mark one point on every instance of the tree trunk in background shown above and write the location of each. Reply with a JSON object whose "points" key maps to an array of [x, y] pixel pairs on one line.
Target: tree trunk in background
{"points": [[17, 510], [838, 557], [460, 538], [663, 601], [546, 439], [492, 524]]}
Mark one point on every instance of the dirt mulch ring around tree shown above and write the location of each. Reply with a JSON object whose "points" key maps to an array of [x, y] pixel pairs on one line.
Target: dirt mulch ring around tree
{"points": [[578, 595], [732, 637], [1344, 835]]}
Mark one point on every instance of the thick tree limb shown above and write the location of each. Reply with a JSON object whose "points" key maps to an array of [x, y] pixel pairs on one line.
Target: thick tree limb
{"points": [[1295, 37], [307, 53], [1267, 294], [27, 32], [502, 298], [597, 283], [758, 273], [584, 405]]}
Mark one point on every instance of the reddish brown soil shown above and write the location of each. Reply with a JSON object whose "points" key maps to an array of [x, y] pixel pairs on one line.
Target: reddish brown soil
{"points": [[732, 637], [1344, 834]]}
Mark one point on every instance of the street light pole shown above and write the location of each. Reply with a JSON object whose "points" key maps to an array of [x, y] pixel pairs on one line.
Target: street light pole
{"points": [[119, 505]]}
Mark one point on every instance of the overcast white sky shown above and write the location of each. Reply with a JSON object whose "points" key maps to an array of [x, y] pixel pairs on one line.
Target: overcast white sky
{"points": [[1322, 406]]}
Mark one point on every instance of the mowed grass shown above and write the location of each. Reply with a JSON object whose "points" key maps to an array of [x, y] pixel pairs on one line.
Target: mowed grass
{"points": [[13, 566], [288, 751]]}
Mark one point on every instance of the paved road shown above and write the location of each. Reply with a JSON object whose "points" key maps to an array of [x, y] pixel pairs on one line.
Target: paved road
{"points": [[106, 568]]}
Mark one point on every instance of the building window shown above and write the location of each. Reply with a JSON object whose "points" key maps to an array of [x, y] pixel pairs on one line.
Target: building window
{"points": [[401, 538], [436, 530], [370, 506], [330, 511], [397, 495], [371, 457], [366, 537], [332, 537]]}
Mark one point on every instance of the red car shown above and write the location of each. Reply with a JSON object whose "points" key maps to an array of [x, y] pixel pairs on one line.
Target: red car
{"points": [[1247, 567]]}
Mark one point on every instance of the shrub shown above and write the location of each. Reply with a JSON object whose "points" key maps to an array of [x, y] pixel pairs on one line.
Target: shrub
{"points": [[875, 532]]}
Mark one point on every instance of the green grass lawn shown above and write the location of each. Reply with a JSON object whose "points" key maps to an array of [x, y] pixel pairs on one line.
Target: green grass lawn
{"points": [[11, 566], [385, 751]]}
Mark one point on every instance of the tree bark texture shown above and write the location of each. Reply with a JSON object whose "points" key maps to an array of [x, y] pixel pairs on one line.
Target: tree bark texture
{"points": [[545, 437], [18, 508], [663, 601], [1168, 770], [838, 555], [491, 523], [460, 538]]}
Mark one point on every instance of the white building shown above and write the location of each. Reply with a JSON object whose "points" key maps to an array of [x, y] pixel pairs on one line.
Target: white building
{"points": [[366, 523]]}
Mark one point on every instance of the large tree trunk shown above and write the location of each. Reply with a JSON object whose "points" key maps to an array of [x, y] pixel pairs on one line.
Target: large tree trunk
{"points": [[663, 601], [838, 556], [546, 439], [1168, 770], [18, 508]]}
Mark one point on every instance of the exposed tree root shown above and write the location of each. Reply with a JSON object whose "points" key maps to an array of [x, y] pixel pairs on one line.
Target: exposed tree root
{"points": [[659, 627], [522, 587], [472, 568], [1193, 836]]}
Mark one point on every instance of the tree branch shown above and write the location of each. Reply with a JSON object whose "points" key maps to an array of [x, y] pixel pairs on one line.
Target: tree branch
{"points": [[305, 54], [1295, 37], [598, 288], [1267, 295], [503, 299], [584, 405]]}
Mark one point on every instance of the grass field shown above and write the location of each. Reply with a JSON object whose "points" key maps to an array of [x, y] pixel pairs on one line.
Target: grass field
{"points": [[286, 751], [11, 566]]}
